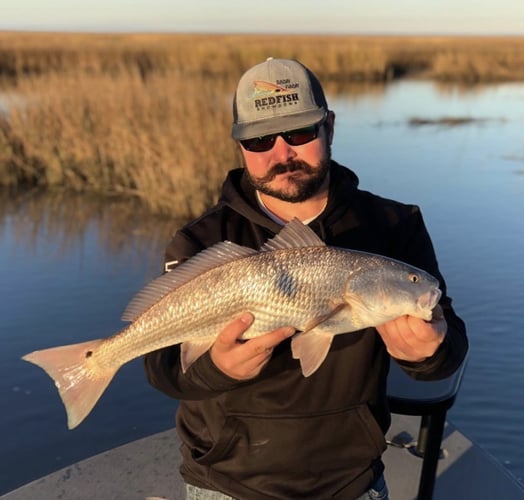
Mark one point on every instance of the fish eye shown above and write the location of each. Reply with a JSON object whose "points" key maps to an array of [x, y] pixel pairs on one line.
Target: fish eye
{"points": [[414, 278]]}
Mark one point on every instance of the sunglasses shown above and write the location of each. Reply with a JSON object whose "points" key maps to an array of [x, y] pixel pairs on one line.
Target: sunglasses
{"points": [[296, 137]]}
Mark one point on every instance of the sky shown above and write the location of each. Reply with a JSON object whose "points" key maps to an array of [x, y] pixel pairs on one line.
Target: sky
{"points": [[467, 17]]}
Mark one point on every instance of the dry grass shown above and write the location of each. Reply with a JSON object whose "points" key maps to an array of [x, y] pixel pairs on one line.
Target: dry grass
{"points": [[163, 141], [148, 116]]}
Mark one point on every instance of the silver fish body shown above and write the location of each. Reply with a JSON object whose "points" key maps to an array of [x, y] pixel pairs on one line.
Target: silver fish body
{"points": [[294, 280]]}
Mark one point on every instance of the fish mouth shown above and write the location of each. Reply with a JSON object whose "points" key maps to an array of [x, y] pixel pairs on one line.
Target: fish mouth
{"points": [[429, 299]]}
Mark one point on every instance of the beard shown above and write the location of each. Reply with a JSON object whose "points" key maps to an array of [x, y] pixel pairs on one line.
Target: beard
{"points": [[301, 187]]}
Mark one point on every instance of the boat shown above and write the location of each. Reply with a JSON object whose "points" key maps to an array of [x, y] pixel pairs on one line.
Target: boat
{"points": [[427, 458]]}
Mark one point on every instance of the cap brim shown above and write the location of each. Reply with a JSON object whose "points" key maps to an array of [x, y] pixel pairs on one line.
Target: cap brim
{"points": [[241, 131]]}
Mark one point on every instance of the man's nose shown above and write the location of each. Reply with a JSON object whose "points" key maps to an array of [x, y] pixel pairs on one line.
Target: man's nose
{"points": [[282, 151]]}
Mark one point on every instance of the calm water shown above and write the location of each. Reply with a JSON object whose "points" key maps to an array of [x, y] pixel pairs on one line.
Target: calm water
{"points": [[68, 268]]}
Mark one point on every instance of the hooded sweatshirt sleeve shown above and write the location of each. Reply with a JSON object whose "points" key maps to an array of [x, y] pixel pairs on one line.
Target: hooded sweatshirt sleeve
{"points": [[415, 247]]}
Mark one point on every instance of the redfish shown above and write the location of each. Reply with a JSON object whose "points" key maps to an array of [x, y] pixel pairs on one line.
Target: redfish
{"points": [[293, 280]]}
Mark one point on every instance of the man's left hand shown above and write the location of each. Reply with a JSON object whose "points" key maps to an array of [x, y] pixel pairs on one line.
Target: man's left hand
{"points": [[412, 339]]}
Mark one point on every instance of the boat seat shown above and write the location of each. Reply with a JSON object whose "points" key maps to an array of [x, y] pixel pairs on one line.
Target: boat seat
{"points": [[431, 401]]}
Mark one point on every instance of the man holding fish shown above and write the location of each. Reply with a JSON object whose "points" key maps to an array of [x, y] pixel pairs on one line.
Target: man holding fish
{"points": [[283, 304], [297, 410]]}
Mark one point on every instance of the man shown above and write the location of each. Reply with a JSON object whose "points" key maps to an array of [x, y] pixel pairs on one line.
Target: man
{"points": [[252, 426]]}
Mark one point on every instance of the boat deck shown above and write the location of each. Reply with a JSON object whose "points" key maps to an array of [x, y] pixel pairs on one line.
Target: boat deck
{"points": [[147, 469]]}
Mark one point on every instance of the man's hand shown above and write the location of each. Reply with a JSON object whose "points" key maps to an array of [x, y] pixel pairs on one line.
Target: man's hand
{"points": [[245, 360], [413, 339]]}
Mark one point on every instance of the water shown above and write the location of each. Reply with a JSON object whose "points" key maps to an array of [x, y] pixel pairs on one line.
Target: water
{"points": [[469, 181], [69, 267]]}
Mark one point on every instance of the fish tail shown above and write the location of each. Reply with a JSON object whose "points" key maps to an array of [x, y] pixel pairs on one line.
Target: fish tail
{"points": [[78, 377]]}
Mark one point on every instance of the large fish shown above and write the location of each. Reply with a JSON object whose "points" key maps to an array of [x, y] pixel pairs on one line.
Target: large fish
{"points": [[293, 280]]}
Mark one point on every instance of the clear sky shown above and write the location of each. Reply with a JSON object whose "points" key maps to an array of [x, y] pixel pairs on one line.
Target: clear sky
{"points": [[493, 17]]}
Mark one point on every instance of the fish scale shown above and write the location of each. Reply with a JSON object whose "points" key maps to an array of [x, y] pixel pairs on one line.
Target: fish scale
{"points": [[258, 291]]}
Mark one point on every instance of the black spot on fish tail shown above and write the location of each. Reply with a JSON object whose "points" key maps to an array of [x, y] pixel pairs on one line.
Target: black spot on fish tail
{"points": [[286, 284]]}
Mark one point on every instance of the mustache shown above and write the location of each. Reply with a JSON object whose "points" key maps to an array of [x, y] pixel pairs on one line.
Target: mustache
{"points": [[283, 168]]}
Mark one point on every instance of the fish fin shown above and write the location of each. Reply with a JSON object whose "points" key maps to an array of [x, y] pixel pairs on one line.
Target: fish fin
{"points": [[207, 259], [312, 345], [294, 234], [190, 351], [311, 348], [79, 380]]}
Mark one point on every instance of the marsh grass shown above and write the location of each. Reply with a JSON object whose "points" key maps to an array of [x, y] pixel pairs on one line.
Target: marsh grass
{"points": [[163, 141], [148, 116]]}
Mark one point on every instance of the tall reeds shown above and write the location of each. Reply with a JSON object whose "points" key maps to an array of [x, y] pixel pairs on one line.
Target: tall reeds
{"points": [[148, 116], [163, 140]]}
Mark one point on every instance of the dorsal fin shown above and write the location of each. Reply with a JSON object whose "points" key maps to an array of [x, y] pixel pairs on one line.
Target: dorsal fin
{"points": [[207, 259], [294, 234]]}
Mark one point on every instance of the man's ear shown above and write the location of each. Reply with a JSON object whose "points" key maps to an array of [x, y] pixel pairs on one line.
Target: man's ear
{"points": [[330, 126]]}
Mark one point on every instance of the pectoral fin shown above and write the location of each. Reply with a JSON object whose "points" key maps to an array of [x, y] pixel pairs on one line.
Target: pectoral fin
{"points": [[311, 348], [312, 345], [191, 351]]}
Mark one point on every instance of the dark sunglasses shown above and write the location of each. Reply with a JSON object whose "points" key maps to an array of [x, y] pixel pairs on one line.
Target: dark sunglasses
{"points": [[296, 137]]}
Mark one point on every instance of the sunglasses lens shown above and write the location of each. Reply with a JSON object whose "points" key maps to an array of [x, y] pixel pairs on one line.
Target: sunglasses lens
{"points": [[259, 144], [301, 136]]}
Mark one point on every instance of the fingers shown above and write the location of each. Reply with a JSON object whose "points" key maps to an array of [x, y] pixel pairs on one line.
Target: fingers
{"points": [[412, 339], [229, 336], [244, 360], [391, 334], [258, 351], [266, 343]]}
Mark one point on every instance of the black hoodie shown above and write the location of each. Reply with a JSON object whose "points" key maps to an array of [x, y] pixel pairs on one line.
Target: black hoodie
{"points": [[281, 435]]}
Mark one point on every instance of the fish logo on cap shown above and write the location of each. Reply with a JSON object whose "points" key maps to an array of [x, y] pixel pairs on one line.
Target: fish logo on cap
{"points": [[267, 88]]}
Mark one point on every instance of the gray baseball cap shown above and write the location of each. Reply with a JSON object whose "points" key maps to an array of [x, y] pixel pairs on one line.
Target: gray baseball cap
{"points": [[275, 96]]}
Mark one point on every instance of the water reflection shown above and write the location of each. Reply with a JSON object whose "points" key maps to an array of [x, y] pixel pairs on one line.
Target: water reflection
{"points": [[65, 219]]}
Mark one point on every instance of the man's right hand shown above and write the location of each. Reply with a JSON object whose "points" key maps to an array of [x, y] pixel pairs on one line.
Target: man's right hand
{"points": [[245, 360]]}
